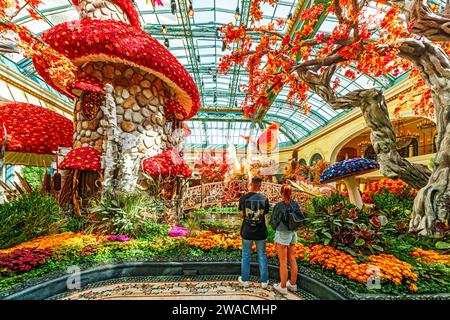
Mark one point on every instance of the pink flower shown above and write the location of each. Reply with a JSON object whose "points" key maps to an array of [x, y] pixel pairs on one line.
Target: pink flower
{"points": [[122, 238], [178, 231]]}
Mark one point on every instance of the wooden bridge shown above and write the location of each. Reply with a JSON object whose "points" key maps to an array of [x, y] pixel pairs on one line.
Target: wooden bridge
{"points": [[226, 194]]}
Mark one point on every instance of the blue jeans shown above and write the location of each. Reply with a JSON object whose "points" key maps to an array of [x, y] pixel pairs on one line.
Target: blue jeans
{"points": [[262, 259]]}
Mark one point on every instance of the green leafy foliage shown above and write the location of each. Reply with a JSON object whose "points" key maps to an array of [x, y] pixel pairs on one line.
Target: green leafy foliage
{"points": [[216, 211], [322, 204], [221, 225], [391, 205], [75, 224], [152, 230], [28, 217], [271, 234], [34, 176], [337, 223]]}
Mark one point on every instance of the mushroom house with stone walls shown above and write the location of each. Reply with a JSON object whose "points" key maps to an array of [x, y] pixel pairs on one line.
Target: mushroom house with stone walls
{"points": [[148, 146], [131, 95]]}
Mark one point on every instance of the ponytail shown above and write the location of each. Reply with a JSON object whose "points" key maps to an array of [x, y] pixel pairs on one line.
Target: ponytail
{"points": [[286, 193]]}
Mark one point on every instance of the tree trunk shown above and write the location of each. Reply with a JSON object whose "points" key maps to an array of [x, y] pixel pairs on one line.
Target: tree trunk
{"points": [[111, 131], [425, 22], [2, 163], [374, 109], [434, 66], [129, 162]]}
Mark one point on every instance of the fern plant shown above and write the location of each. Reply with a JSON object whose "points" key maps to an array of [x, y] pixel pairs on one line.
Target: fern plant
{"points": [[123, 213]]}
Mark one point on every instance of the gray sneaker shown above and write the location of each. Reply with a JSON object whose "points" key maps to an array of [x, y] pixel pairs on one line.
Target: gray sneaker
{"points": [[281, 290], [243, 283], [292, 287]]}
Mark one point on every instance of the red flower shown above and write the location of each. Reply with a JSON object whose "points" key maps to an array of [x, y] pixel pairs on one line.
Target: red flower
{"points": [[169, 163]]}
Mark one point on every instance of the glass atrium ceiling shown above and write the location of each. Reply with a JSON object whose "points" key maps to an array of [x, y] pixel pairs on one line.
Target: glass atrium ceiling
{"points": [[195, 41]]}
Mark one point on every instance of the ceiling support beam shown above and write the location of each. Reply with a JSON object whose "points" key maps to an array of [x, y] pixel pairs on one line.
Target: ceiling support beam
{"points": [[183, 18], [245, 15]]}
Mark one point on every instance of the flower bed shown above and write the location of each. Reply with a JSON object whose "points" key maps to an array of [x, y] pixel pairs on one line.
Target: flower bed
{"points": [[430, 256], [397, 187], [57, 252]]}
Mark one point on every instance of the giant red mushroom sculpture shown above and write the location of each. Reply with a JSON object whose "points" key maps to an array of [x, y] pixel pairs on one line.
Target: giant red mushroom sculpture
{"points": [[33, 133], [30, 135], [346, 171], [118, 62]]}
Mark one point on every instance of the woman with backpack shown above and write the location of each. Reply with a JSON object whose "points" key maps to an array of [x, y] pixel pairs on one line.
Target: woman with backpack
{"points": [[286, 219]]}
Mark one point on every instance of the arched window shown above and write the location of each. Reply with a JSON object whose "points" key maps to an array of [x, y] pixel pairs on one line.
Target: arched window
{"points": [[369, 153], [346, 153], [91, 103], [302, 162], [315, 158]]}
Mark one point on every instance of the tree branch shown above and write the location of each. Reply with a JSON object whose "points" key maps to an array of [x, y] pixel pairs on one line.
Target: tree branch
{"points": [[375, 112]]}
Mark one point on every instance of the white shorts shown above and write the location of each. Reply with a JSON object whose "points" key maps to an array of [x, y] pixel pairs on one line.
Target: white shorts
{"points": [[285, 238]]}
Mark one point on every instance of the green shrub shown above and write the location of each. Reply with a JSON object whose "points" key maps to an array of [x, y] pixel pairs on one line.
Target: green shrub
{"points": [[391, 205], [322, 204], [34, 176], [151, 230], [271, 234], [216, 211], [30, 216], [75, 224], [221, 225]]}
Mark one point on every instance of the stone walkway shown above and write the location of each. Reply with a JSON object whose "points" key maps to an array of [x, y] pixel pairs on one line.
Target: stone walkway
{"points": [[180, 288]]}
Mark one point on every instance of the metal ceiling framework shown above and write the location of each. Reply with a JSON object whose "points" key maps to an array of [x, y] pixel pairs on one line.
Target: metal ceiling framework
{"points": [[195, 41]]}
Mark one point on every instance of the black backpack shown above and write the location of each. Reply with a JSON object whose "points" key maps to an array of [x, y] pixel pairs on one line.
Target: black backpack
{"points": [[293, 218]]}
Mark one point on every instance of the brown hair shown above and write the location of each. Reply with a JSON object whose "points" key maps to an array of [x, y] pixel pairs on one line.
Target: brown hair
{"points": [[257, 181], [286, 193]]}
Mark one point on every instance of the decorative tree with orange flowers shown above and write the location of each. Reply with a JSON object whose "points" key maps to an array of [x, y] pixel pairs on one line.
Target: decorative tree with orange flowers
{"points": [[15, 38], [361, 42]]}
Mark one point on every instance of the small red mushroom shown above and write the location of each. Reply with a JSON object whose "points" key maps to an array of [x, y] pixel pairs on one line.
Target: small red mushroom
{"points": [[83, 159]]}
